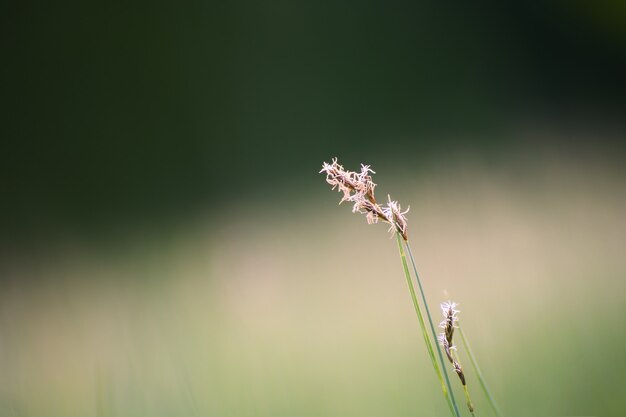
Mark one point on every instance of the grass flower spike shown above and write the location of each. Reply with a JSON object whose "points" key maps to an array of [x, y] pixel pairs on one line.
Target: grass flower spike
{"points": [[449, 324], [358, 188], [449, 311]]}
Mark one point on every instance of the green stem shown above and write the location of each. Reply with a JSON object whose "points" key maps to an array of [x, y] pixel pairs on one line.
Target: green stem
{"points": [[420, 317], [483, 384], [469, 400], [470, 405], [432, 328]]}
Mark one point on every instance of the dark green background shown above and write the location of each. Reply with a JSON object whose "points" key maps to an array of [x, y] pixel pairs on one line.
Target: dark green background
{"points": [[138, 114]]}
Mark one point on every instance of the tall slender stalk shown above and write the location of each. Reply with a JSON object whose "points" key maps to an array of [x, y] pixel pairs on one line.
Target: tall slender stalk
{"points": [[439, 371], [481, 380], [468, 398], [432, 327]]}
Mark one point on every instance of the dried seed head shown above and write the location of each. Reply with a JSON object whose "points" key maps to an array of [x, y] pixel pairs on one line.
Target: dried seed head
{"points": [[358, 188], [449, 311]]}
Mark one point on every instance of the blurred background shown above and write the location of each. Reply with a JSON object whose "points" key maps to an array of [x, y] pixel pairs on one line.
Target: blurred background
{"points": [[168, 248]]}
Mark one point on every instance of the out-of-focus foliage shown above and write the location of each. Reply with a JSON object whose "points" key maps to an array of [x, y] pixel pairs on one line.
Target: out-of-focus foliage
{"points": [[120, 117], [302, 309]]}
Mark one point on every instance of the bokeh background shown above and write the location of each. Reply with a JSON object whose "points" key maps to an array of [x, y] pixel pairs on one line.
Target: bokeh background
{"points": [[168, 248]]}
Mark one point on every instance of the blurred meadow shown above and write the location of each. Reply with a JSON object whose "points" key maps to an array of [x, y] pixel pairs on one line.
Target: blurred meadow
{"points": [[168, 247], [298, 307]]}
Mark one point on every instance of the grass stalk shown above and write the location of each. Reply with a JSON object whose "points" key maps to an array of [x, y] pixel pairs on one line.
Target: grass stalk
{"points": [[432, 329], [479, 374], [445, 386], [468, 398]]}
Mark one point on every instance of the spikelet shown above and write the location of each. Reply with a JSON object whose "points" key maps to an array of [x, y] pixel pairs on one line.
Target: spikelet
{"points": [[449, 311]]}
